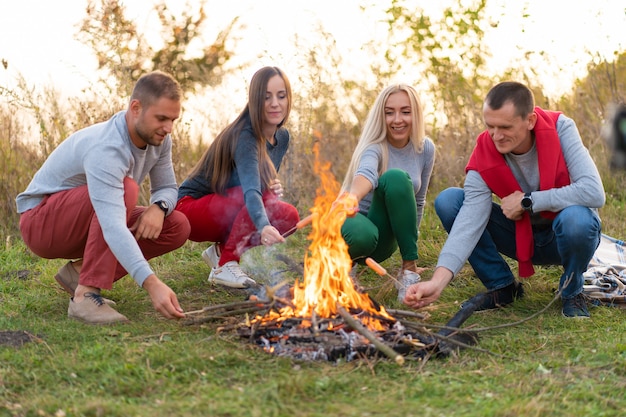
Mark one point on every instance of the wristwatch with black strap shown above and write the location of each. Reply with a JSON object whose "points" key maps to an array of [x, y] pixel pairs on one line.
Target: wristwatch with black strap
{"points": [[527, 203], [162, 205]]}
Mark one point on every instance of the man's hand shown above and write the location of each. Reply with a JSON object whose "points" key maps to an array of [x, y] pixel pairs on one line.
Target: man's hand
{"points": [[426, 292], [163, 298], [149, 224], [512, 206]]}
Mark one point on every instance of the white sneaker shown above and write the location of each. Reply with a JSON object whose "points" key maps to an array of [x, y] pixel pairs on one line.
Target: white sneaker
{"points": [[231, 275], [407, 278], [211, 256]]}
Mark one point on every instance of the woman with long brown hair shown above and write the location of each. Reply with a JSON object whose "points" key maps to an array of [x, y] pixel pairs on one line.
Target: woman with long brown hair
{"points": [[233, 196]]}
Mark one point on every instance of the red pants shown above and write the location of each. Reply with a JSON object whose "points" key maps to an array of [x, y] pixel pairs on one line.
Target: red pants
{"points": [[64, 225], [224, 219]]}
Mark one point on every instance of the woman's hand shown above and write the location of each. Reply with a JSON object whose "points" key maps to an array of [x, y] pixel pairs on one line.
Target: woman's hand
{"points": [[349, 202], [277, 188], [270, 236]]}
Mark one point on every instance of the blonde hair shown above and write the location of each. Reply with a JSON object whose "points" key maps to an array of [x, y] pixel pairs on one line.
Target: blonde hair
{"points": [[375, 130]]}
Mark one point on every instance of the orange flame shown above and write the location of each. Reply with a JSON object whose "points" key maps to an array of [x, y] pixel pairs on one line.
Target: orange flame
{"points": [[327, 264]]}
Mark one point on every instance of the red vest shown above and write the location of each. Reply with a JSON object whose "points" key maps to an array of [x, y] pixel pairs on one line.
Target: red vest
{"points": [[553, 173]]}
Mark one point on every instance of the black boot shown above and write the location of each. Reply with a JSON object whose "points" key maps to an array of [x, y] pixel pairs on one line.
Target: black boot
{"points": [[497, 298]]}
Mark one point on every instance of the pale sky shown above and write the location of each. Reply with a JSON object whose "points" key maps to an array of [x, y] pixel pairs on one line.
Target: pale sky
{"points": [[37, 37]]}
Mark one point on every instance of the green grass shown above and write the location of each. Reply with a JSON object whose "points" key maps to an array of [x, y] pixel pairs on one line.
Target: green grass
{"points": [[546, 366]]}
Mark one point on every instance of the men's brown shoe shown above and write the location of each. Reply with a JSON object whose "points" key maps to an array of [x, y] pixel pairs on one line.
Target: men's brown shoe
{"points": [[93, 310], [67, 277]]}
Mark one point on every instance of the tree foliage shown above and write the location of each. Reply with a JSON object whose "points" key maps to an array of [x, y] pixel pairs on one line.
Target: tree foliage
{"points": [[124, 54], [450, 58]]}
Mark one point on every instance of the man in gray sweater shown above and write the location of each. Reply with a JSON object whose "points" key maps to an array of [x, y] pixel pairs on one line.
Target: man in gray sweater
{"points": [[549, 190], [82, 204]]}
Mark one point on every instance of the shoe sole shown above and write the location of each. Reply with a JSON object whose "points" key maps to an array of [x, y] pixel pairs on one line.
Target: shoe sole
{"points": [[100, 323], [231, 284], [207, 260]]}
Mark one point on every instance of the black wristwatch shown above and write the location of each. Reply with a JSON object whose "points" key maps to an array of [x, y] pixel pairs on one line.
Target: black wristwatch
{"points": [[527, 203], [162, 205]]}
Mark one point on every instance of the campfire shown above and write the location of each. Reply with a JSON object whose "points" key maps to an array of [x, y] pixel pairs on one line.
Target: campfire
{"points": [[323, 316], [326, 285]]}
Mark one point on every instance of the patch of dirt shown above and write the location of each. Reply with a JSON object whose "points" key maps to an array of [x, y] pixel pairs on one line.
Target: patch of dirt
{"points": [[22, 274], [16, 338]]}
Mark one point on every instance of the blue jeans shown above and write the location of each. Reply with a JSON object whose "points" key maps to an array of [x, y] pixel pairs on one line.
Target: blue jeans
{"points": [[570, 242]]}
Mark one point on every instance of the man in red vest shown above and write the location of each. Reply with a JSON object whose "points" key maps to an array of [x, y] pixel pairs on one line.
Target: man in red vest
{"points": [[549, 190]]}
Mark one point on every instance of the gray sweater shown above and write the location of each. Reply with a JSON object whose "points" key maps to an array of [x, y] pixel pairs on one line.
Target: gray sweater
{"points": [[585, 189], [419, 166], [101, 156]]}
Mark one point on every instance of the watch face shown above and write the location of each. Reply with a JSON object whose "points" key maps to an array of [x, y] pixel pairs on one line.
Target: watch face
{"points": [[527, 203]]}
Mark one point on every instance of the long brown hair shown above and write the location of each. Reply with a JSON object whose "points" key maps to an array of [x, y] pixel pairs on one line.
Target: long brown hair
{"points": [[217, 162]]}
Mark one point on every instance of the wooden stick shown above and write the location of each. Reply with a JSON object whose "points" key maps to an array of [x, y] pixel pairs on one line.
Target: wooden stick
{"points": [[302, 223], [255, 326], [395, 312], [378, 268], [352, 322], [222, 314], [229, 306]]}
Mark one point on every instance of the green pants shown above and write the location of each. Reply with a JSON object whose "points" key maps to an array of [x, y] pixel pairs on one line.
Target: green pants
{"points": [[390, 223]]}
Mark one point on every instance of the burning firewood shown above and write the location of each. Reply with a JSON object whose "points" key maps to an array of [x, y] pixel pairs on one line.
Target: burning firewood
{"points": [[356, 325]]}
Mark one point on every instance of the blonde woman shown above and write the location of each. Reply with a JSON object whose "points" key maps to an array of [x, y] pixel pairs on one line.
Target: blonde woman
{"points": [[389, 175]]}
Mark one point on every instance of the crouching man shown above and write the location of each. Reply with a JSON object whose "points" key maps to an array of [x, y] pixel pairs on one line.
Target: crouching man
{"points": [[549, 188], [82, 204]]}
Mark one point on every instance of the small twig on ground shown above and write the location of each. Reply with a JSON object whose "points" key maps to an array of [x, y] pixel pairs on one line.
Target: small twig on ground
{"points": [[405, 313], [223, 314], [39, 340], [515, 323], [256, 324], [227, 307], [452, 340]]}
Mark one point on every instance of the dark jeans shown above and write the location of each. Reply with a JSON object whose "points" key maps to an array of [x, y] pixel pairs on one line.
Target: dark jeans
{"points": [[570, 242]]}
